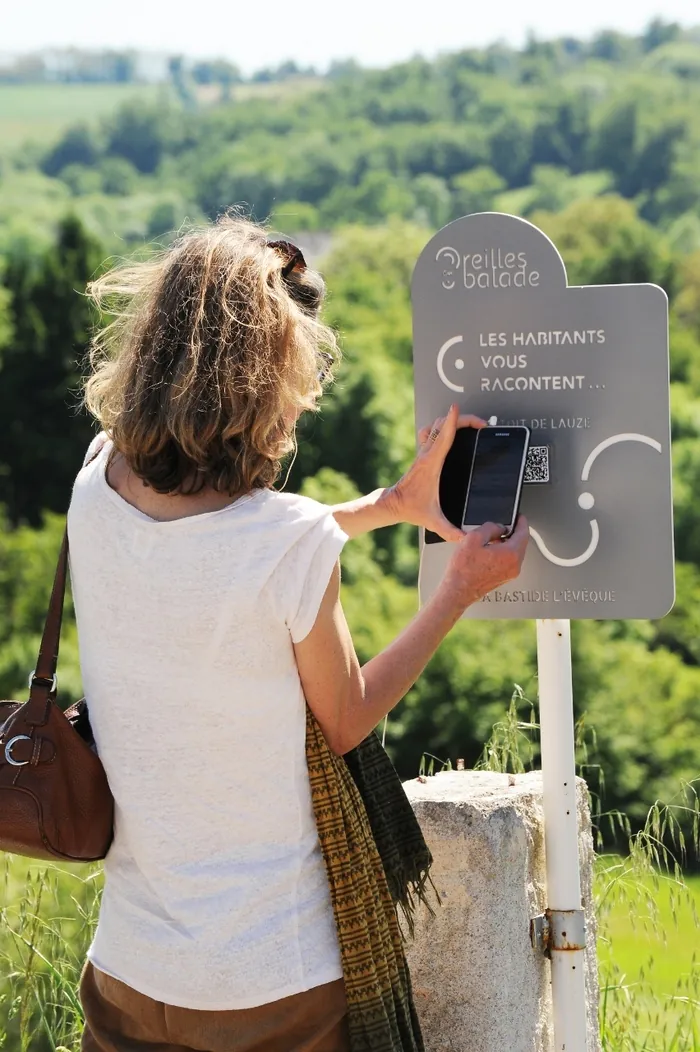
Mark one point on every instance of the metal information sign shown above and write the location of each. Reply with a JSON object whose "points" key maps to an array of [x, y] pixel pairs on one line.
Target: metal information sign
{"points": [[497, 330]]}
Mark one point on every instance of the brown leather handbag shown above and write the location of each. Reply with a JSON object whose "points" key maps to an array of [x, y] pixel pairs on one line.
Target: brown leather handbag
{"points": [[55, 801]]}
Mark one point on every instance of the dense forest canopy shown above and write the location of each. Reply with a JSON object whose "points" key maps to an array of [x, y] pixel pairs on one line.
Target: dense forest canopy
{"points": [[518, 131], [598, 142]]}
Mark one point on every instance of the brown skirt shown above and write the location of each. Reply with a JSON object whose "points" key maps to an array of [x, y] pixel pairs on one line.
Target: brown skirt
{"points": [[118, 1019]]}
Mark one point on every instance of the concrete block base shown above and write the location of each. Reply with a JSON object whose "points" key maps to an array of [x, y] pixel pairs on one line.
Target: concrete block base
{"points": [[478, 983]]}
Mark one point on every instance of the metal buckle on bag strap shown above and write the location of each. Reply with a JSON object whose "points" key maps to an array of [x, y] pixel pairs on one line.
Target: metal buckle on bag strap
{"points": [[8, 750], [33, 678]]}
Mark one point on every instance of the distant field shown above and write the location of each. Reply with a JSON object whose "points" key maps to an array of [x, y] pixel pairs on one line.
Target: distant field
{"points": [[275, 89], [40, 112]]}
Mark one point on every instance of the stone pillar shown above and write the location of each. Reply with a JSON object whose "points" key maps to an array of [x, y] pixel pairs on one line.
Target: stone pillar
{"points": [[479, 985]]}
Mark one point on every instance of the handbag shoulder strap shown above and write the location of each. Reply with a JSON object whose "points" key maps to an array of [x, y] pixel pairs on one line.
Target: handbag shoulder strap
{"points": [[47, 661], [44, 675]]}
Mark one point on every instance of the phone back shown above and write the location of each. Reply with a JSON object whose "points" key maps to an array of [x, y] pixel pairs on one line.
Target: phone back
{"points": [[454, 480]]}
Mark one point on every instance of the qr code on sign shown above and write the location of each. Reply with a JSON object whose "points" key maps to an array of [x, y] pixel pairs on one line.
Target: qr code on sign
{"points": [[537, 464]]}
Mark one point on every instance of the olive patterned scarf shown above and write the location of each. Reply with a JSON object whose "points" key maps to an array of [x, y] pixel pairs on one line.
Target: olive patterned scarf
{"points": [[377, 863]]}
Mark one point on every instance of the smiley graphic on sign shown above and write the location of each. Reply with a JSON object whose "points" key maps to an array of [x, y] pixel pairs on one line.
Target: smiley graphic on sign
{"points": [[587, 500], [451, 363]]}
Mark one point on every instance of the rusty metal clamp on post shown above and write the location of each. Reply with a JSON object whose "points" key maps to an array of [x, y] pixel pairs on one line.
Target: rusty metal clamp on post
{"points": [[563, 930]]}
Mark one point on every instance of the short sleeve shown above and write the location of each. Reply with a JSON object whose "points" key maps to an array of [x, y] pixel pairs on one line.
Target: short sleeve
{"points": [[95, 447], [308, 566]]}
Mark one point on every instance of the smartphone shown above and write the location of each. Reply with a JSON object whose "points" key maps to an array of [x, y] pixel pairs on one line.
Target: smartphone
{"points": [[454, 480], [496, 477]]}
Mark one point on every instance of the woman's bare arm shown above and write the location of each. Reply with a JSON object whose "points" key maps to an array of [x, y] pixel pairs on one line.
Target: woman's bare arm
{"points": [[349, 701], [366, 513]]}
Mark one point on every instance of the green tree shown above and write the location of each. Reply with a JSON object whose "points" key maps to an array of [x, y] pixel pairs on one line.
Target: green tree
{"points": [[687, 306], [227, 180], [604, 242], [141, 134], [686, 483], [611, 46], [220, 72], [642, 704], [637, 134], [118, 176], [78, 145], [44, 438], [442, 149], [553, 189], [433, 200], [476, 191], [378, 196], [27, 564], [658, 33], [81, 180], [5, 318], [162, 220], [511, 148], [679, 631], [296, 216], [464, 690]]}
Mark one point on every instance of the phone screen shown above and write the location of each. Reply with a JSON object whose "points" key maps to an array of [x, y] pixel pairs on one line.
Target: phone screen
{"points": [[496, 478]]}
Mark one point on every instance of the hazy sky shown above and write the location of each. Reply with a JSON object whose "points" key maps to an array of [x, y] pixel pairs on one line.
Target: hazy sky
{"points": [[256, 33]]}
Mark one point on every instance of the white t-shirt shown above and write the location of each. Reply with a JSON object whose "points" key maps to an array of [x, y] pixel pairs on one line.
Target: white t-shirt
{"points": [[216, 895]]}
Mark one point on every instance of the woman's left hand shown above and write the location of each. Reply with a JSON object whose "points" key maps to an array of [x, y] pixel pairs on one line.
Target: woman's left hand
{"points": [[415, 498]]}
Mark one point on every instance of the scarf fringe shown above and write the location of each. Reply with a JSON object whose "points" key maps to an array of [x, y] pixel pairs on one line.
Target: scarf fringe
{"points": [[409, 893]]}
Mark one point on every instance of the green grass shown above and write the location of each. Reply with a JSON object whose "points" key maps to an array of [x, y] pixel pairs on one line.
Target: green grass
{"points": [[40, 112], [47, 919], [648, 955], [647, 946], [663, 950], [648, 918]]}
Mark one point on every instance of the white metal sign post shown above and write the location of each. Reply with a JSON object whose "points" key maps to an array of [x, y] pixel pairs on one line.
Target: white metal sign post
{"points": [[497, 329], [566, 937]]}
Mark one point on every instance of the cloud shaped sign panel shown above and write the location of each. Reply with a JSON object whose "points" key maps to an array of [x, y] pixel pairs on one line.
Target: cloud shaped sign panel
{"points": [[497, 329]]}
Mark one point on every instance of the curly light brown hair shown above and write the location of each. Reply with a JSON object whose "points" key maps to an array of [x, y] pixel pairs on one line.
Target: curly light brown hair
{"points": [[212, 353]]}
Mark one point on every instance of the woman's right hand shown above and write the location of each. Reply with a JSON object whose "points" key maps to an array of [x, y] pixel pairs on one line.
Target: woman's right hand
{"points": [[482, 561]]}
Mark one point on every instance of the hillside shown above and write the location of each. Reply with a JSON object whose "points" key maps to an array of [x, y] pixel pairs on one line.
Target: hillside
{"points": [[518, 131]]}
